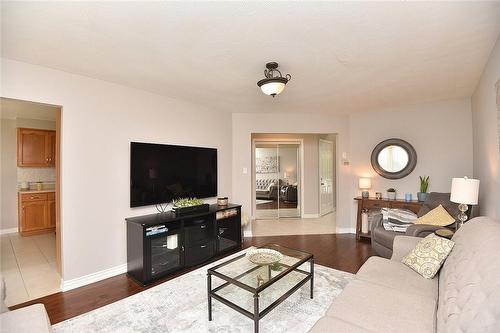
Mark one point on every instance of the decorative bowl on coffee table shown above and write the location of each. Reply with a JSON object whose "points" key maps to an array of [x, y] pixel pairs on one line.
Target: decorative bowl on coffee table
{"points": [[264, 256]]}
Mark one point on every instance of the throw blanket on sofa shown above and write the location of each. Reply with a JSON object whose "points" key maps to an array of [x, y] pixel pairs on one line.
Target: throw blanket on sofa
{"points": [[396, 219]]}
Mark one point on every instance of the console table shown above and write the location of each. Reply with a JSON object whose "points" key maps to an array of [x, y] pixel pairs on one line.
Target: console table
{"points": [[373, 203], [161, 244]]}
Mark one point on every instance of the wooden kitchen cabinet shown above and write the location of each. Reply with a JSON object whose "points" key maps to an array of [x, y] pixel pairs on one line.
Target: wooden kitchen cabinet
{"points": [[37, 213], [51, 206], [36, 148]]}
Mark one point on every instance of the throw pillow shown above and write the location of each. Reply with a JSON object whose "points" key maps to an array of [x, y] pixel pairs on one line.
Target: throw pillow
{"points": [[429, 255], [438, 216]]}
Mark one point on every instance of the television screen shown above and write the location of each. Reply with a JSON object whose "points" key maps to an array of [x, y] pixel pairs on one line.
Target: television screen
{"points": [[160, 173]]}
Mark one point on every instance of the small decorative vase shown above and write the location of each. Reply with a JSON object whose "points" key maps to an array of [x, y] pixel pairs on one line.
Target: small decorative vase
{"points": [[391, 195], [408, 197], [421, 196]]}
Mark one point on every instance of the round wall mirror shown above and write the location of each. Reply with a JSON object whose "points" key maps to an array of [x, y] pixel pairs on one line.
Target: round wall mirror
{"points": [[394, 158]]}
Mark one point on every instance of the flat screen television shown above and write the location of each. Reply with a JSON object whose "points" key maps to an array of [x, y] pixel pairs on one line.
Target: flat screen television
{"points": [[160, 173]]}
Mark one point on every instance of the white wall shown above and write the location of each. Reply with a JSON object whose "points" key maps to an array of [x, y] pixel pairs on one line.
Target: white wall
{"points": [[244, 124], [440, 132], [99, 119], [486, 126]]}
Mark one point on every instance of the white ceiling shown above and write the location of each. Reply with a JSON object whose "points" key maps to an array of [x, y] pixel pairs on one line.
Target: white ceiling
{"points": [[343, 56], [13, 108]]}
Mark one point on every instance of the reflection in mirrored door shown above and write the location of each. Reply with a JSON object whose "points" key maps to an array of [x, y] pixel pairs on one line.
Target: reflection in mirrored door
{"points": [[277, 179]]}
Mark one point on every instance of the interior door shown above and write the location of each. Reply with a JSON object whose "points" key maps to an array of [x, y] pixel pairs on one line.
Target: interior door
{"points": [[326, 176]]}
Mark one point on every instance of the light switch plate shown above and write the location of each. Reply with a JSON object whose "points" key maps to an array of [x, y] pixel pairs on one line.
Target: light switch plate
{"points": [[245, 171]]}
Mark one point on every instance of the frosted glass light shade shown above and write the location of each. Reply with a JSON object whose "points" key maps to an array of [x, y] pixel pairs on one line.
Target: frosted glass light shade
{"points": [[365, 183], [272, 88], [464, 191]]}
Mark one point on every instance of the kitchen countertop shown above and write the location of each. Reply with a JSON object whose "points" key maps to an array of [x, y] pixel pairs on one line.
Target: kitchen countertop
{"points": [[35, 191]]}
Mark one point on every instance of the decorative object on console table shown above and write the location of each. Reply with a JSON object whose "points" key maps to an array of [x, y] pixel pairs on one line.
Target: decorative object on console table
{"points": [[408, 197], [378, 195], [391, 194], [464, 191], [373, 205], [365, 184], [424, 185], [223, 201], [187, 206]]}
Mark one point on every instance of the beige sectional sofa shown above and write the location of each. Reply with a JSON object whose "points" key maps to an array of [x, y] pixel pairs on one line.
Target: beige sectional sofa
{"points": [[387, 296], [30, 319]]}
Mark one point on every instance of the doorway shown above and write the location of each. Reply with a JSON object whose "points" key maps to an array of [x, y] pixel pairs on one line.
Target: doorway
{"points": [[29, 223], [277, 179]]}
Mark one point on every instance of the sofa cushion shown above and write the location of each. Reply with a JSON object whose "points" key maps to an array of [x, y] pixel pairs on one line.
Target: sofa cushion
{"points": [[428, 255], [396, 275], [469, 282], [30, 319], [334, 324], [383, 309], [438, 216], [435, 199]]}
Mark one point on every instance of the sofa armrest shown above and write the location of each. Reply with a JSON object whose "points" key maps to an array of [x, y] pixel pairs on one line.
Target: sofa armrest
{"points": [[377, 221], [403, 245], [30, 319], [421, 230]]}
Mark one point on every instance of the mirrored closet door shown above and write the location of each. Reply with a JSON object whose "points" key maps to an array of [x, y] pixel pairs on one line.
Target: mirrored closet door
{"points": [[277, 179]]}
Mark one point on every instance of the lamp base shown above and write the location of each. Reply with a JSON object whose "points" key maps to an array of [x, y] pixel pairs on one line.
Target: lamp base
{"points": [[462, 217]]}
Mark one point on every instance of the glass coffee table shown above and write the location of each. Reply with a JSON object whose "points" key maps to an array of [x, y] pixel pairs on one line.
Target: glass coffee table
{"points": [[247, 287]]}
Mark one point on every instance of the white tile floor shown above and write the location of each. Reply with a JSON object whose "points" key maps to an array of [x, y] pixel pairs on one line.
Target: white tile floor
{"points": [[28, 265], [295, 226]]}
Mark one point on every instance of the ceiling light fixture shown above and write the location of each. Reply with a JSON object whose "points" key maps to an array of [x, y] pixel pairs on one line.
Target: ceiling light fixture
{"points": [[274, 83]]}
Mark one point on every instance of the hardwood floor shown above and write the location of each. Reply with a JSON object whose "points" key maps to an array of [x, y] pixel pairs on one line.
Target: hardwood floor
{"points": [[340, 251]]}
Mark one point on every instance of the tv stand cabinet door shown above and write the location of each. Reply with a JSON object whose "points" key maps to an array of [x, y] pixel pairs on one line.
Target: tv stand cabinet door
{"points": [[228, 233]]}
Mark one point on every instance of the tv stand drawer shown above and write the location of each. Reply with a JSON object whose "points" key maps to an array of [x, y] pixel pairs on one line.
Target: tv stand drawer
{"points": [[198, 230], [199, 253]]}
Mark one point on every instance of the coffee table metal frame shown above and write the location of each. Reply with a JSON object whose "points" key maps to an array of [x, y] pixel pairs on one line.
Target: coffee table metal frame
{"points": [[257, 313]]}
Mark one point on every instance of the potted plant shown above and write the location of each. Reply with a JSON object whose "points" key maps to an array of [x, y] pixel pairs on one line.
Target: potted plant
{"points": [[391, 194], [424, 185], [188, 205]]}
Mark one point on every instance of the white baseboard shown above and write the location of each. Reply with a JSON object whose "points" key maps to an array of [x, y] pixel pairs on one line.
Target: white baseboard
{"points": [[310, 216], [346, 230], [94, 277], [8, 231]]}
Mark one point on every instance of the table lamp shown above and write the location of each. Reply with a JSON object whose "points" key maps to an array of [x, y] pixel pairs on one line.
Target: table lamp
{"points": [[464, 191], [365, 184]]}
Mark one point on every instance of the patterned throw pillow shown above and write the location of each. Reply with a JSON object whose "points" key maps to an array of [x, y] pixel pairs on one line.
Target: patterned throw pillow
{"points": [[429, 255], [438, 216]]}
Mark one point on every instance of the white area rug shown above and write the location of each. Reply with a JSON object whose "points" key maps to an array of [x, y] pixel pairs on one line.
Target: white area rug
{"points": [[180, 305]]}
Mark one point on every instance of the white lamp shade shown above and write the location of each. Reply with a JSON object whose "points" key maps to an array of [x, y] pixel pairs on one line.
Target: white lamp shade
{"points": [[272, 88], [365, 183], [464, 191]]}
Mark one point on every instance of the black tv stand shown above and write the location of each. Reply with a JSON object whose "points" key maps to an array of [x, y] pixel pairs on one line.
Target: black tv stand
{"points": [[161, 244]]}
